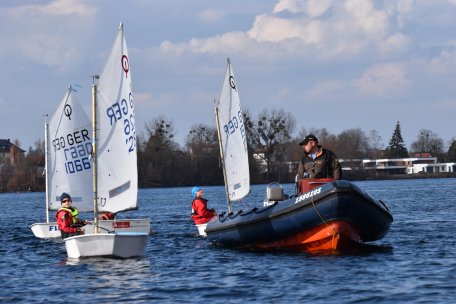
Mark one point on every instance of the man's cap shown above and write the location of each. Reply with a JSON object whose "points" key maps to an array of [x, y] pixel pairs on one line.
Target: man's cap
{"points": [[307, 139], [64, 195], [194, 190]]}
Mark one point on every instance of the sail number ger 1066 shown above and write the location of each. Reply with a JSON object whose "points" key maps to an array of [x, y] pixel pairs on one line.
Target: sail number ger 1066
{"points": [[76, 148]]}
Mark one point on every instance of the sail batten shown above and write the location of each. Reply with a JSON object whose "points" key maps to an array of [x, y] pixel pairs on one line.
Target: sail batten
{"points": [[232, 138]]}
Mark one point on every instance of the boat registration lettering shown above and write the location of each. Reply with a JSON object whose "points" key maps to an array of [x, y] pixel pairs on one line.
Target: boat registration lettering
{"points": [[77, 137], [234, 124], [307, 195], [53, 228], [121, 224], [76, 149], [124, 110], [117, 111]]}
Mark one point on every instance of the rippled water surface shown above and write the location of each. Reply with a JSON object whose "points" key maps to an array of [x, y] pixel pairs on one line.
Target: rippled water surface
{"points": [[414, 263]]}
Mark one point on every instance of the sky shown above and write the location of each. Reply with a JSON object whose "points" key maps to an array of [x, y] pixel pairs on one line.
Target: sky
{"points": [[334, 64]]}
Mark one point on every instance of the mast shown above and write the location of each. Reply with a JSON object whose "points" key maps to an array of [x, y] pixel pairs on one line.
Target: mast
{"points": [[46, 165], [222, 158], [94, 153]]}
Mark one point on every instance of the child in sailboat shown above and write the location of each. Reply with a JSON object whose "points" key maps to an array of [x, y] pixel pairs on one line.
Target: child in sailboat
{"points": [[200, 213], [67, 218]]}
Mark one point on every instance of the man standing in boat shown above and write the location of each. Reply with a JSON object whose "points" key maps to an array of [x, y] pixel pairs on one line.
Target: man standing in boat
{"points": [[318, 162], [67, 218], [200, 213]]}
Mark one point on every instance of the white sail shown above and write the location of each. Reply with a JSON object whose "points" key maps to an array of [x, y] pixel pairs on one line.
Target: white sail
{"points": [[116, 133], [115, 170], [116, 173], [232, 137], [68, 154]]}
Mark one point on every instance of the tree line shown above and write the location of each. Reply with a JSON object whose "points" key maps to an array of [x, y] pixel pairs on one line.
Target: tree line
{"points": [[273, 144]]}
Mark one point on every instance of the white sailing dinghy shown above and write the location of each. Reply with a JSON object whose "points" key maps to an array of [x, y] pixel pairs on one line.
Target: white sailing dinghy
{"points": [[68, 168], [232, 141], [115, 177], [68, 147]]}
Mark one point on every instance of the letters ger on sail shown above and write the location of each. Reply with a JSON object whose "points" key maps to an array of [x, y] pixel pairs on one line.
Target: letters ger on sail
{"points": [[69, 167]]}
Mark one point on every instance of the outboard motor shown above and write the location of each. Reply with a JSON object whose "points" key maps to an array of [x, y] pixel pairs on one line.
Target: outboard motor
{"points": [[274, 193]]}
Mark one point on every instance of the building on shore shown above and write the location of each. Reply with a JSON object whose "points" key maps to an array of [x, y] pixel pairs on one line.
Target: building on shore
{"points": [[410, 165], [11, 157], [9, 152]]}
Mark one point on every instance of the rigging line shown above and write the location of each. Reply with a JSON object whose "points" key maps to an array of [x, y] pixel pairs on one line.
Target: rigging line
{"points": [[321, 217], [67, 96]]}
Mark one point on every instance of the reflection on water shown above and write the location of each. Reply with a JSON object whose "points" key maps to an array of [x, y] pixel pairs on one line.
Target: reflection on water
{"points": [[110, 275]]}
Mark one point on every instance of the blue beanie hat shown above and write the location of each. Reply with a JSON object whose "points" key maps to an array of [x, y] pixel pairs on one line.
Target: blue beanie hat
{"points": [[194, 190], [64, 195]]}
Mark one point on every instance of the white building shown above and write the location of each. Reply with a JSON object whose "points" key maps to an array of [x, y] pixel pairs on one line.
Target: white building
{"points": [[411, 165]]}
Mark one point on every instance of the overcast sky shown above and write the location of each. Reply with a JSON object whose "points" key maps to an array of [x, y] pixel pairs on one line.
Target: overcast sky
{"points": [[333, 64]]}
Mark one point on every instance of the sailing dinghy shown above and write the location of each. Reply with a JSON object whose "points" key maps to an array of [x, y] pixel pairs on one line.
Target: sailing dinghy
{"points": [[324, 215], [68, 147], [115, 176], [232, 143]]}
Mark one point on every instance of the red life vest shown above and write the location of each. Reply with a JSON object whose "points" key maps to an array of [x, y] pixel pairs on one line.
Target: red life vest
{"points": [[66, 218], [74, 213], [200, 213]]}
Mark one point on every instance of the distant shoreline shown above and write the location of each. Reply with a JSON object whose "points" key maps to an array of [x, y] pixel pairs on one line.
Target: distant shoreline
{"points": [[350, 177]]}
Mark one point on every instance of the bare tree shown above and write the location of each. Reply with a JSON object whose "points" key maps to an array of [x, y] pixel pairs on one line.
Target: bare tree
{"points": [[352, 144], [427, 142], [201, 137], [202, 145], [270, 133], [157, 153], [375, 144]]}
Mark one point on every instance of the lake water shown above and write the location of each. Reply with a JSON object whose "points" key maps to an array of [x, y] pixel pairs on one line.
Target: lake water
{"points": [[414, 263]]}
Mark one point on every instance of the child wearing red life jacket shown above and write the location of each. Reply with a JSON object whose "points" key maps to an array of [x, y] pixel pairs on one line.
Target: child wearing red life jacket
{"points": [[67, 218], [200, 213]]}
